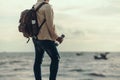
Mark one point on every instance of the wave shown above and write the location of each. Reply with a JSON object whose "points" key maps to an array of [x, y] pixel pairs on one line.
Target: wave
{"points": [[87, 79], [76, 70], [7, 75], [96, 74], [19, 69], [3, 63], [10, 62], [45, 65], [15, 61]]}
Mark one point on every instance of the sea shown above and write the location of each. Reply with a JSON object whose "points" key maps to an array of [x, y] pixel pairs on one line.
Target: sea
{"points": [[73, 66]]}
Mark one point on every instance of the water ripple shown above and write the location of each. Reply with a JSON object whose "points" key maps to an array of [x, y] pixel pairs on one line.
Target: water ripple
{"points": [[96, 74]]}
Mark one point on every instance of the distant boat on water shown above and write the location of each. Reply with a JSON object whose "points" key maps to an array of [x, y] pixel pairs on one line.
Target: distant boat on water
{"points": [[79, 54], [101, 56]]}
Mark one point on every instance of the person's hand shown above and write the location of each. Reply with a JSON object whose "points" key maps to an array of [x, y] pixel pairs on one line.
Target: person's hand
{"points": [[59, 39]]}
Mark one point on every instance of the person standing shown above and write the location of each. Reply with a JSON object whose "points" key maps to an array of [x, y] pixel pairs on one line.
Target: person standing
{"points": [[46, 41]]}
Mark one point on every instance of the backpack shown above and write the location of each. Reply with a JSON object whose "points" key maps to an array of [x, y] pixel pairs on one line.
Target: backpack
{"points": [[28, 23]]}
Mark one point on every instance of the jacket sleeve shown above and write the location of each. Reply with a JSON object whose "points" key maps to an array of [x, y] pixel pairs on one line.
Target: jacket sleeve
{"points": [[49, 20]]}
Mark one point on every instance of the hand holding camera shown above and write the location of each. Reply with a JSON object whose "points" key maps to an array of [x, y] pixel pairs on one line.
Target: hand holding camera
{"points": [[60, 39]]}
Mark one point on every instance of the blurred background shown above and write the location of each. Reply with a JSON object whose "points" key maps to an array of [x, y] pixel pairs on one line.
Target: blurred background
{"points": [[89, 25]]}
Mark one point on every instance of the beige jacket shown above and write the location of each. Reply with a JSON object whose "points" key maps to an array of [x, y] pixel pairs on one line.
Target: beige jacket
{"points": [[47, 32]]}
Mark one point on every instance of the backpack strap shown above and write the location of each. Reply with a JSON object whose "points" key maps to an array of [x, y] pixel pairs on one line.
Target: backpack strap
{"points": [[44, 19], [39, 27], [28, 40], [42, 24], [40, 6], [37, 10]]}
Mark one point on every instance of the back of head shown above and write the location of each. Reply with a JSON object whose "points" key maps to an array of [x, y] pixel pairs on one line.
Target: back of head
{"points": [[40, 0]]}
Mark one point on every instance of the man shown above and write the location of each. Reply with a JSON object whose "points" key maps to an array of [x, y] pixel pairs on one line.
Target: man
{"points": [[46, 41]]}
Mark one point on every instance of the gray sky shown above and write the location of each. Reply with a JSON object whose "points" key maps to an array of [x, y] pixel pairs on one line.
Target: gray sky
{"points": [[89, 25]]}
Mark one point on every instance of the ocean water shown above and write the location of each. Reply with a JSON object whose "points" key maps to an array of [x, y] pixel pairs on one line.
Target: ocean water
{"points": [[19, 66]]}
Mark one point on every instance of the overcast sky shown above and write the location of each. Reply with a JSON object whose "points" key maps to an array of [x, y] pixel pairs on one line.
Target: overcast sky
{"points": [[89, 25]]}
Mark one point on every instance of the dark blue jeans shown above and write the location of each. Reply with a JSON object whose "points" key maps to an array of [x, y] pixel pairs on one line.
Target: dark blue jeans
{"points": [[40, 47]]}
